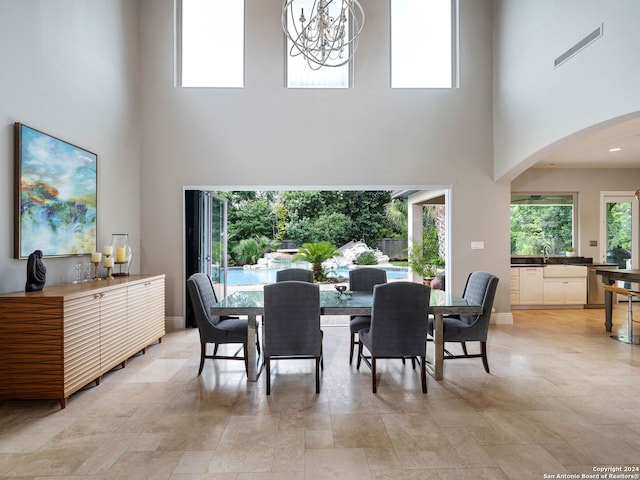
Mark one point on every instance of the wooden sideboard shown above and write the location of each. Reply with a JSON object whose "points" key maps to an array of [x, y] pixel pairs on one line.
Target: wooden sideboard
{"points": [[56, 341]]}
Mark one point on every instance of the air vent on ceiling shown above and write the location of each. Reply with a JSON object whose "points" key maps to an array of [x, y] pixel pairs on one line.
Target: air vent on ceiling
{"points": [[586, 41]]}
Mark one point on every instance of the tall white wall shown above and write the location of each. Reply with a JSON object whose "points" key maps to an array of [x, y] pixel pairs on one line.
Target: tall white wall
{"points": [[70, 69], [536, 107], [266, 135]]}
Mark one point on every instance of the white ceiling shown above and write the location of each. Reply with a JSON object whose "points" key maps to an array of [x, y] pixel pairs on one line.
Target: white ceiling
{"points": [[592, 151]]}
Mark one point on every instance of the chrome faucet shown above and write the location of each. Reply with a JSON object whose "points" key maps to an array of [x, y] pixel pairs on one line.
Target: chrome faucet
{"points": [[546, 253]]}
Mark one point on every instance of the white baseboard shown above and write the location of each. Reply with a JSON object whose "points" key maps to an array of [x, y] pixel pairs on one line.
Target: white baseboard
{"points": [[173, 323], [502, 318]]}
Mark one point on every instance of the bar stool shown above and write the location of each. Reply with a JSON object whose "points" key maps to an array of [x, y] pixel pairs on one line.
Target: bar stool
{"points": [[629, 338]]}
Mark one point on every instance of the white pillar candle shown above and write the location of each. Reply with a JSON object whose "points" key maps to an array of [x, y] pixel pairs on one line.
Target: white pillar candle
{"points": [[108, 262], [107, 250], [96, 257]]}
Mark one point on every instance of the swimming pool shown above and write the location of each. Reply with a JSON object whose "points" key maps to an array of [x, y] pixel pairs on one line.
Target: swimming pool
{"points": [[240, 276]]}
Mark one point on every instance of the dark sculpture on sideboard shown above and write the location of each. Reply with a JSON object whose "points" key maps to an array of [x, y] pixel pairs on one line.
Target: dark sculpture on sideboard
{"points": [[36, 272]]}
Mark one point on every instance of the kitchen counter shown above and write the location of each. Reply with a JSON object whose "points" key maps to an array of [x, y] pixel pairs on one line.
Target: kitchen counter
{"points": [[538, 261]]}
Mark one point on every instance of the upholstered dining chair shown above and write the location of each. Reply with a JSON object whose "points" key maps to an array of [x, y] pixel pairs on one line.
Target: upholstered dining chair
{"points": [[214, 329], [399, 319], [297, 274], [291, 325], [362, 280], [480, 289]]}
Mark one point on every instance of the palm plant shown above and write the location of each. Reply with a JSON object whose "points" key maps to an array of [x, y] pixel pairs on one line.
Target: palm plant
{"points": [[315, 254], [249, 250]]}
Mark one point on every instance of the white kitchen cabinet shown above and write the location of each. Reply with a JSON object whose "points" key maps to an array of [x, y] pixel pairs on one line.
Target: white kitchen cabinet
{"points": [[514, 286], [565, 285], [565, 291], [531, 286]]}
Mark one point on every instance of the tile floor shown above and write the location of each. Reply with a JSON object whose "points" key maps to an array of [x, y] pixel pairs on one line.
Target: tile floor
{"points": [[562, 398]]}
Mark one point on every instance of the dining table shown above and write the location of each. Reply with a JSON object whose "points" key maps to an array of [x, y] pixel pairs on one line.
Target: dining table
{"points": [[251, 304]]}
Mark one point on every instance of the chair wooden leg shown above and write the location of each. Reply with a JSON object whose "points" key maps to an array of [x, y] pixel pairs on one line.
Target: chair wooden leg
{"points": [[359, 355], [485, 360], [246, 358], [413, 362], [215, 349], [353, 342], [464, 348], [267, 367], [374, 382], [423, 374], [203, 351], [317, 374]]}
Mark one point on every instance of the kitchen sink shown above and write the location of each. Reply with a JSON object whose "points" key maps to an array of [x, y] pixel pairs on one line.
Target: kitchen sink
{"points": [[551, 271]]}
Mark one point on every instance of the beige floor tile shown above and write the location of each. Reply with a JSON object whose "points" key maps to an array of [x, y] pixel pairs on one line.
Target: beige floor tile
{"points": [[289, 451], [549, 406], [359, 430], [144, 465], [318, 439], [404, 474], [474, 473], [382, 460], [194, 462], [525, 462], [333, 463]]}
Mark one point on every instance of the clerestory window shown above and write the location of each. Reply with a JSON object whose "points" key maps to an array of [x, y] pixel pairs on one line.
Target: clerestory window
{"points": [[423, 43], [300, 73], [210, 43]]}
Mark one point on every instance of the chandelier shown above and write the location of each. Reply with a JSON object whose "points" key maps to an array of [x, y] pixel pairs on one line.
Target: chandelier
{"points": [[329, 37]]}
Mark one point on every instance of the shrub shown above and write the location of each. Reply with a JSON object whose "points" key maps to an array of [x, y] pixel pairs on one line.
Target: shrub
{"points": [[367, 258]]}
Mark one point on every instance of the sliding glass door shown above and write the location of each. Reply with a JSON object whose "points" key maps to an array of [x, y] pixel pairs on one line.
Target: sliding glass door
{"points": [[213, 241], [205, 215]]}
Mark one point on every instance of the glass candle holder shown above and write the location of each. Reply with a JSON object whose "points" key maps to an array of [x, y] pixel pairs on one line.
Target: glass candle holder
{"points": [[122, 254]]}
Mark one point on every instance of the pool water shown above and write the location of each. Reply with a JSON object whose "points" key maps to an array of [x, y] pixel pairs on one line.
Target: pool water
{"points": [[240, 276]]}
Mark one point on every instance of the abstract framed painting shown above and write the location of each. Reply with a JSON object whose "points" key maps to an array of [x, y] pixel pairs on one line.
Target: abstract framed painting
{"points": [[56, 196]]}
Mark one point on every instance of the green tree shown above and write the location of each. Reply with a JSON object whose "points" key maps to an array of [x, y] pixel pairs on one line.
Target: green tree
{"points": [[332, 227], [362, 215], [534, 226], [396, 213], [619, 225], [249, 215]]}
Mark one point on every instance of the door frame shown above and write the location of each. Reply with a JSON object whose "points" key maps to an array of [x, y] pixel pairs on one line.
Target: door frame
{"points": [[622, 196]]}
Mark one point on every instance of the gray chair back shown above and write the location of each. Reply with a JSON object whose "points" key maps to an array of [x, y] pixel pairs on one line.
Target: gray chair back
{"points": [[202, 296], [292, 319], [480, 288], [364, 279], [294, 274], [399, 320]]}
